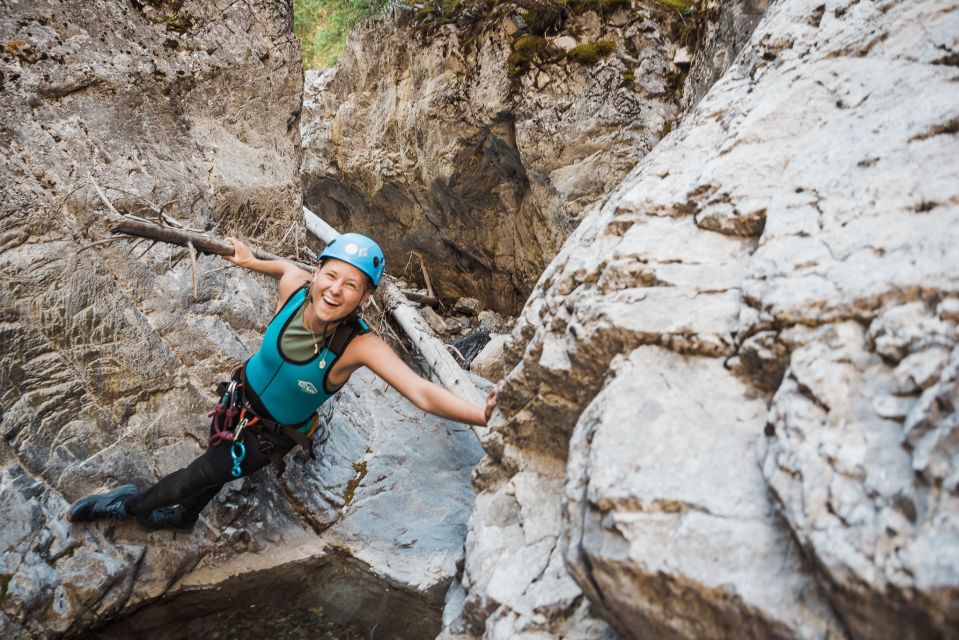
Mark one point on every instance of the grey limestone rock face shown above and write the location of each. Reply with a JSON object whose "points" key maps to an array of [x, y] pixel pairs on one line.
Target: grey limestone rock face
{"points": [[871, 492], [726, 29], [392, 485], [54, 575], [108, 359], [737, 379]]}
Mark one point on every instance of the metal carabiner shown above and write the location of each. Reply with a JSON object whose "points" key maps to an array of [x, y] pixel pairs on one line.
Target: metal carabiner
{"points": [[238, 450]]}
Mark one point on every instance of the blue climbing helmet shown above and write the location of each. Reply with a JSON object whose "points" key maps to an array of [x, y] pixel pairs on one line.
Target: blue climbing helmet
{"points": [[359, 251]]}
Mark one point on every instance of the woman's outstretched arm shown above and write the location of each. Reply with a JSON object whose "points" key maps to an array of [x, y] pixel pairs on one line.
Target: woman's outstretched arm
{"points": [[371, 351], [291, 277]]}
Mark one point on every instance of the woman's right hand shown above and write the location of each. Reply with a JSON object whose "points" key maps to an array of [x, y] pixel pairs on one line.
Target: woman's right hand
{"points": [[242, 256], [491, 400]]}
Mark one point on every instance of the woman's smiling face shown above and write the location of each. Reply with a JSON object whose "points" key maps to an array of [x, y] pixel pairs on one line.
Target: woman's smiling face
{"points": [[337, 290]]}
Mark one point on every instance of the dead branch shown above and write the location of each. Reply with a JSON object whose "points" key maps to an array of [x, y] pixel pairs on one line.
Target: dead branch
{"points": [[104, 241], [189, 246], [147, 250], [169, 235], [426, 276], [419, 298], [103, 196], [458, 353], [183, 238]]}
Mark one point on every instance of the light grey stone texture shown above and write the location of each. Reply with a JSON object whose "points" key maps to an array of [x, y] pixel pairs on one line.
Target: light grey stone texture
{"points": [[773, 262], [108, 360]]}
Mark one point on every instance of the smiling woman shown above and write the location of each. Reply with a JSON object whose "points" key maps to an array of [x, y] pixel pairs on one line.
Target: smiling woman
{"points": [[313, 344]]}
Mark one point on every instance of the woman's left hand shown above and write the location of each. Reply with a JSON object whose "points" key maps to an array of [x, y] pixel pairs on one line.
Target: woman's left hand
{"points": [[242, 256], [491, 400]]}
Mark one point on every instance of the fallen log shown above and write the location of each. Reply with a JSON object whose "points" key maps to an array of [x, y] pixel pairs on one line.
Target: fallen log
{"points": [[420, 298], [430, 347], [184, 238]]}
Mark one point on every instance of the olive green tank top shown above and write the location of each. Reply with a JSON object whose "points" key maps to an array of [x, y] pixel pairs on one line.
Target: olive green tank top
{"points": [[299, 343]]}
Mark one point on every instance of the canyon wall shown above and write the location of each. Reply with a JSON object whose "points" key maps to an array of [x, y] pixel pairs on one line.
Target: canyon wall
{"points": [[186, 112], [479, 136], [733, 408]]}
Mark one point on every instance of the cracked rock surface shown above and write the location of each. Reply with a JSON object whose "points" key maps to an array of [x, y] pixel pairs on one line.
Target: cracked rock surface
{"points": [[735, 385], [108, 358]]}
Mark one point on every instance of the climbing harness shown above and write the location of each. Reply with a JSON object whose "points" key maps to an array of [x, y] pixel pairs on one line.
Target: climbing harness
{"points": [[223, 415], [235, 412]]}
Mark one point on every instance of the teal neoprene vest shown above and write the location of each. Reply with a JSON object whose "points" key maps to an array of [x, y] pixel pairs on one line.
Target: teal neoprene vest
{"points": [[289, 390]]}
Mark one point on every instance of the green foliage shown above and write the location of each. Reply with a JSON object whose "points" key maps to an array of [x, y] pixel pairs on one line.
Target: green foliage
{"points": [[629, 77], [323, 26], [591, 52], [529, 45], [436, 13], [525, 51]]}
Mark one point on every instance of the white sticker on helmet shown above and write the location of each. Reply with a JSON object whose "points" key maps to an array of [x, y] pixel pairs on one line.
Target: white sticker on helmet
{"points": [[351, 248]]}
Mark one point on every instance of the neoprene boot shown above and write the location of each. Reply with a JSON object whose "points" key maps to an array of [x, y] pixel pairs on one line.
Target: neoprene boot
{"points": [[104, 505], [171, 518]]}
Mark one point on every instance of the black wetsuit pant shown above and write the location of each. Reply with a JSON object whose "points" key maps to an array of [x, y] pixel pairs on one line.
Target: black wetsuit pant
{"points": [[196, 484]]}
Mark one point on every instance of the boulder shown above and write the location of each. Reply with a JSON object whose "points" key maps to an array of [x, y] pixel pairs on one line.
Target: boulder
{"points": [[490, 363], [436, 322], [468, 306], [667, 523], [705, 376]]}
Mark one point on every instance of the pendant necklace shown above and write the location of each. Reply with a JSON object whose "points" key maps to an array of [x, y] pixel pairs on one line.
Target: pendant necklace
{"points": [[316, 346]]}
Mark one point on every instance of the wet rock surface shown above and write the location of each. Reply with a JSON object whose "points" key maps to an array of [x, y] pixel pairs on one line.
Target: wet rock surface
{"points": [[330, 596], [731, 391]]}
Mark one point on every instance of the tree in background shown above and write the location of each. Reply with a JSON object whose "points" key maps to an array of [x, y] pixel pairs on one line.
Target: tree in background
{"points": [[323, 26]]}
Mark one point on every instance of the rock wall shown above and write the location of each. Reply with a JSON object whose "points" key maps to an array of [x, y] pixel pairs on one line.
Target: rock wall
{"points": [[733, 407], [108, 357], [477, 139]]}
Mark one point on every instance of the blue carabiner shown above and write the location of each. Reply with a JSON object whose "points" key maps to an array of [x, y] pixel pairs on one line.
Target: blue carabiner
{"points": [[238, 451]]}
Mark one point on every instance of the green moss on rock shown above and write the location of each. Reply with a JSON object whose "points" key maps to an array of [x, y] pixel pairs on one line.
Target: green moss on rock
{"points": [[602, 7], [590, 53], [682, 6], [526, 51], [360, 468]]}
